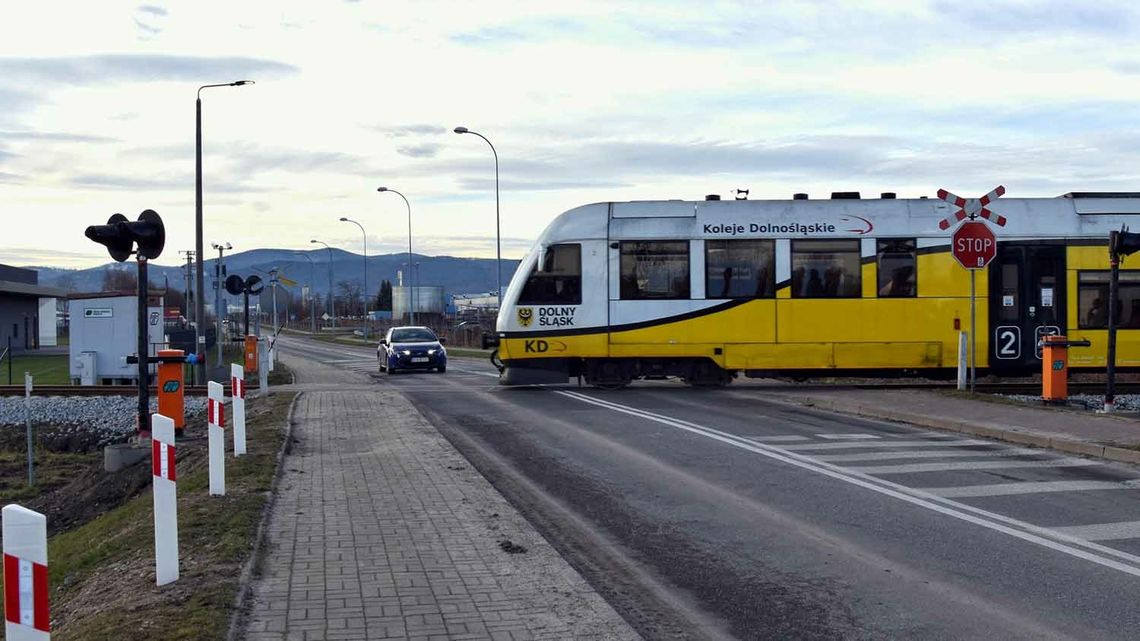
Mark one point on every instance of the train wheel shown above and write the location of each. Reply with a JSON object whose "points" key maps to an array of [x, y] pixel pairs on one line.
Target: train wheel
{"points": [[707, 374], [607, 375]]}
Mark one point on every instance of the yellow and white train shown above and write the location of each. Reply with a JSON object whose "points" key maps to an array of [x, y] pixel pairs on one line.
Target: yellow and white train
{"points": [[708, 289]]}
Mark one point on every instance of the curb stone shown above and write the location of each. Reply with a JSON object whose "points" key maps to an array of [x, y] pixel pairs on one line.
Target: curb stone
{"points": [[245, 581], [1020, 437]]}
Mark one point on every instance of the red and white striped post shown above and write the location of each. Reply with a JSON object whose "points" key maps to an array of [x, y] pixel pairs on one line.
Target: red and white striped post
{"points": [[216, 419], [165, 499], [26, 616], [237, 400]]}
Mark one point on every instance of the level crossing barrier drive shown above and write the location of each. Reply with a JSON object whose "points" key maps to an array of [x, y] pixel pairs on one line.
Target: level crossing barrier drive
{"points": [[216, 420], [26, 615], [165, 499], [237, 404]]}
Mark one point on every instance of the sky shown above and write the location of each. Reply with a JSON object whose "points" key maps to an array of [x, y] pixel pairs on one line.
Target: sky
{"points": [[584, 101]]}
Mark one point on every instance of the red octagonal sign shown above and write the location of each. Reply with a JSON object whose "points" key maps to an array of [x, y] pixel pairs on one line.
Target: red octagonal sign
{"points": [[973, 245]]}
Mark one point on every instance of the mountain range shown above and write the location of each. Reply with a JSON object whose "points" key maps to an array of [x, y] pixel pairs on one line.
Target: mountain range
{"points": [[456, 275]]}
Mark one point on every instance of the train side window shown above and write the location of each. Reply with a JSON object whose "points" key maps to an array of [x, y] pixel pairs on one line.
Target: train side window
{"points": [[897, 263], [740, 268], [559, 282], [826, 269], [654, 269], [1092, 300]]}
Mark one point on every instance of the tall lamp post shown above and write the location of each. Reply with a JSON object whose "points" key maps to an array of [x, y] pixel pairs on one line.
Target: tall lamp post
{"points": [[498, 235], [312, 284], [411, 301], [332, 298], [200, 304], [219, 271], [365, 301]]}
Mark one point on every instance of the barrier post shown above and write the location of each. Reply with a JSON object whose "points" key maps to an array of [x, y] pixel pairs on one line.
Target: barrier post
{"points": [[26, 614], [162, 467], [216, 419], [263, 370], [250, 353], [237, 405], [962, 342]]}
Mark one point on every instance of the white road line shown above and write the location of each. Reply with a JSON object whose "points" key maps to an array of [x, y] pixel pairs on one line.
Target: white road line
{"points": [[916, 454], [1103, 531], [811, 447], [969, 465], [778, 438], [848, 437], [1056, 541], [1031, 487]]}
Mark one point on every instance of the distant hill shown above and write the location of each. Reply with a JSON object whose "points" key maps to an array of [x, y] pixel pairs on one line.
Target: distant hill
{"points": [[455, 274]]}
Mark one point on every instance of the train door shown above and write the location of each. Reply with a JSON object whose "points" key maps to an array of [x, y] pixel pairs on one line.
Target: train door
{"points": [[1027, 300]]}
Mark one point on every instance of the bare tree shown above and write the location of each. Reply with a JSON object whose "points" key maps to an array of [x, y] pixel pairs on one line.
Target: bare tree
{"points": [[120, 280], [350, 291]]}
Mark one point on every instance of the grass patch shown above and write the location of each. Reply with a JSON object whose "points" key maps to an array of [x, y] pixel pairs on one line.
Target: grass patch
{"points": [[102, 571], [46, 369]]}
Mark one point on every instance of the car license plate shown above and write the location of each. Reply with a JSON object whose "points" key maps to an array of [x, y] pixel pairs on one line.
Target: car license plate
{"points": [[422, 359]]}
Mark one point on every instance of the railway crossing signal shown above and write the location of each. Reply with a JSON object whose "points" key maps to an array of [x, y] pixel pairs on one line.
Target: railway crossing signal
{"points": [[973, 245], [972, 207]]}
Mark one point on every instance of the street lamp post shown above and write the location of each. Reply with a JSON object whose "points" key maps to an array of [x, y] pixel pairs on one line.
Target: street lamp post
{"points": [[498, 235], [219, 271], [411, 305], [365, 297], [332, 303], [200, 304], [312, 284]]}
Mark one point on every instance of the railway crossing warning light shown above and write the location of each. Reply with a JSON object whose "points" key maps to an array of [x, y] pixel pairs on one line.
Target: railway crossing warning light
{"points": [[1123, 242]]}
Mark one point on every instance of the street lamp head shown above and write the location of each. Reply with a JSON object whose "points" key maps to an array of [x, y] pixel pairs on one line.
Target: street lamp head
{"points": [[343, 219], [461, 130], [241, 82], [381, 189], [314, 241]]}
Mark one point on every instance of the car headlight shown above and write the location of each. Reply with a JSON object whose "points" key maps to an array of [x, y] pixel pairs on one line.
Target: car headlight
{"points": [[431, 352], [406, 352]]}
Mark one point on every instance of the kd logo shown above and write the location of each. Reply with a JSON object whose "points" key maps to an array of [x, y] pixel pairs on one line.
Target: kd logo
{"points": [[539, 346], [171, 386], [526, 315]]}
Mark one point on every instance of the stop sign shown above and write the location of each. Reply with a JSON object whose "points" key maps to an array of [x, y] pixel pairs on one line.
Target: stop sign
{"points": [[973, 245]]}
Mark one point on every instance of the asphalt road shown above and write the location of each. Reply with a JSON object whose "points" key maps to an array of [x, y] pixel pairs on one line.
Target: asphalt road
{"points": [[717, 513]]}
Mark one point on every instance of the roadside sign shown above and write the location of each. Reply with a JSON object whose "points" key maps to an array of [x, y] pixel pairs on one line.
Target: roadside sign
{"points": [[973, 245]]}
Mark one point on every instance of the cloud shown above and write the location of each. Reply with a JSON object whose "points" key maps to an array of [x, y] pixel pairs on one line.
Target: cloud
{"points": [[151, 9], [247, 161], [11, 179], [136, 183], [104, 68], [1053, 16], [147, 29], [402, 131], [51, 136], [424, 150]]}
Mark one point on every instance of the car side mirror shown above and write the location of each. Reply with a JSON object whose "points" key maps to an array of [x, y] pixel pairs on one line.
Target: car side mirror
{"points": [[442, 340]]}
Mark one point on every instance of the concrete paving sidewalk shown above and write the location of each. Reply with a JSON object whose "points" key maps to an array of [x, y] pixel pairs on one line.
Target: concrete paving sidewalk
{"points": [[382, 530], [1113, 437]]}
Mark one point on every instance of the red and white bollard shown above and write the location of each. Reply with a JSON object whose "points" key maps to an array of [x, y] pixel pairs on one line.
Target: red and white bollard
{"points": [[165, 499], [26, 616], [216, 419], [237, 399]]}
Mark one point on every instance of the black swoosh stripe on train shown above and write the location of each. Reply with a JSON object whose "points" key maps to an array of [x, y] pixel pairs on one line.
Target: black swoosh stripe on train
{"points": [[728, 304]]}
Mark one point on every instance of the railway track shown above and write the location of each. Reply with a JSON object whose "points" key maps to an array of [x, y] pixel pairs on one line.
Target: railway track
{"points": [[1028, 388], [94, 390]]}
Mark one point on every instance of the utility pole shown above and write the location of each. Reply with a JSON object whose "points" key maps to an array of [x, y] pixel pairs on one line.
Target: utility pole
{"points": [[273, 283], [219, 306], [189, 274]]}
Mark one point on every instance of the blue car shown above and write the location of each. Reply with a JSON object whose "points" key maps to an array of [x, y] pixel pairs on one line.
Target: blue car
{"points": [[411, 348]]}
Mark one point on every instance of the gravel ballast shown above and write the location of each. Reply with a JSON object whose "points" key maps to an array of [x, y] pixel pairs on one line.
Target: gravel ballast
{"points": [[110, 418]]}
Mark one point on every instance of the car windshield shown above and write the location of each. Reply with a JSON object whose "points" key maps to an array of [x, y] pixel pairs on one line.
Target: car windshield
{"points": [[412, 335]]}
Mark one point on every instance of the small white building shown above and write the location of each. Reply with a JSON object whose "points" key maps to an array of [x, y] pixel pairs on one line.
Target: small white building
{"points": [[104, 332]]}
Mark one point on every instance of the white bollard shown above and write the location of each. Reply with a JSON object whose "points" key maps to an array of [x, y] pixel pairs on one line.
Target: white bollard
{"points": [[162, 466], [237, 402], [216, 419], [26, 616]]}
